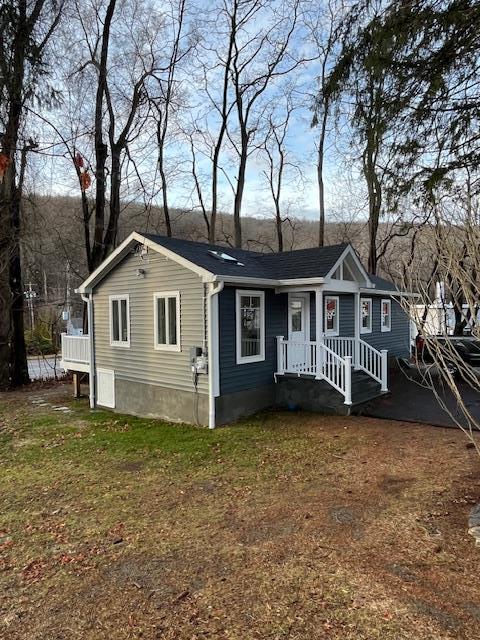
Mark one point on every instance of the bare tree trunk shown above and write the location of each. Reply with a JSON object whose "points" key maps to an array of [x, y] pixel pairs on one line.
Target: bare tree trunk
{"points": [[101, 149], [12, 339], [374, 200], [161, 134], [321, 189], [237, 204]]}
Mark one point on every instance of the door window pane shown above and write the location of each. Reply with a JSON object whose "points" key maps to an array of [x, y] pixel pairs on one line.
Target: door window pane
{"points": [[296, 315]]}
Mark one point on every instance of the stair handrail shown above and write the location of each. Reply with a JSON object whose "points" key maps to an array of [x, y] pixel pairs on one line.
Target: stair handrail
{"points": [[375, 364]]}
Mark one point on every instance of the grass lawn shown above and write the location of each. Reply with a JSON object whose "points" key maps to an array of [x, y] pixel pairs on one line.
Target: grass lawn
{"points": [[283, 526]]}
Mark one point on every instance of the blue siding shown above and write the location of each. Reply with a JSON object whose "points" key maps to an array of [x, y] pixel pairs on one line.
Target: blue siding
{"points": [[397, 341], [238, 377]]}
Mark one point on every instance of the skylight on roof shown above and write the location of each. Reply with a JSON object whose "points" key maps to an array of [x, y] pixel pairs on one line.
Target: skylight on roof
{"points": [[224, 257]]}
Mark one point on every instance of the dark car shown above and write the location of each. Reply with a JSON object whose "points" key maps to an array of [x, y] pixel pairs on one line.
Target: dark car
{"points": [[467, 349]]}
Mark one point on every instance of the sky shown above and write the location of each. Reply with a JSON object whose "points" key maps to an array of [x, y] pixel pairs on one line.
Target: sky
{"points": [[300, 190]]}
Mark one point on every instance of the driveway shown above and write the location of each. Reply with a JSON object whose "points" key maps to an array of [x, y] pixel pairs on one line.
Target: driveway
{"points": [[408, 401]]}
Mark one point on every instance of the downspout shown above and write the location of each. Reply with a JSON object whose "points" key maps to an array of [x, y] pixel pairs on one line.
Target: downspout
{"points": [[212, 342], [91, 382]]}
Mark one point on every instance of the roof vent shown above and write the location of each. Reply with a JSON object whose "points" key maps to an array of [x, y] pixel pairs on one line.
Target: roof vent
{"points": [[224, 257]]}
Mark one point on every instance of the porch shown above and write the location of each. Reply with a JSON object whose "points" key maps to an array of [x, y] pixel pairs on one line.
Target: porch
{"points": [[354, 368], [75, 353]]}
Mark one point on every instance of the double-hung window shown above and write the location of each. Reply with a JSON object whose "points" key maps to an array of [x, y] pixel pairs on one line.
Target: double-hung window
{"points": [[366, 315], [331, 315], [120, 321], [250, 311], [166, 313], [386, 320]]}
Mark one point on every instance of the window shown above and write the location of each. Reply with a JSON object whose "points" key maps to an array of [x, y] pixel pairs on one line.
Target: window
{"points": [[166, 313], [366, 316], [386, 324], [250, 308], [331, 315], [120, 321]]}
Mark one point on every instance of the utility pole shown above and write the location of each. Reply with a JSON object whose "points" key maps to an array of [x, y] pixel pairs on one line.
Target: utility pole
{"points": [[30, 296]]}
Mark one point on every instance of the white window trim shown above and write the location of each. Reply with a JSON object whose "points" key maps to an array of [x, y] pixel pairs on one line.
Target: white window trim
{"points": [[383, 328], [336, 331], [362, 329], [238, 295], [166, 347], [119, 343]]}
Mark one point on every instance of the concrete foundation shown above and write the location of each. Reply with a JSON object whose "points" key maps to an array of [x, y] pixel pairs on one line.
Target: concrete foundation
{"points": [[310, 395], [232, 406], [152, 401]]}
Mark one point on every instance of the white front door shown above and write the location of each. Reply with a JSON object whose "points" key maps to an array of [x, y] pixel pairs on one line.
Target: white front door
{"points": [[298, 331]]}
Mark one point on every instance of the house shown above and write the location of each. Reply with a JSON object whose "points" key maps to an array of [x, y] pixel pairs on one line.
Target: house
{"points": [[199, 333], [438, 317]]}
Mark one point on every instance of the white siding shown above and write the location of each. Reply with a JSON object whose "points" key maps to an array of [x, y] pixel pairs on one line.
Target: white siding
{"points": [[141, 362]]}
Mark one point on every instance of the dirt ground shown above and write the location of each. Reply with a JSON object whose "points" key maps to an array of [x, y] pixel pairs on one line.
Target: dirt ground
{"points": [[287, 525]]}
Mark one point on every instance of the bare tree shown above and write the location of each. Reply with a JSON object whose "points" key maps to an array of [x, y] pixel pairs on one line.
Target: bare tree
{"points": [[454, 239], [163, 95], [323, 22], [276, 153], [257, 61]]}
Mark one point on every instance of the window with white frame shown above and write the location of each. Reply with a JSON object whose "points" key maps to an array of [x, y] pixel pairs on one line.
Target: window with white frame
{"points": [[250, 321], [331, 315], [166, 313], [386, 321], [366, 315], [120, 321]]}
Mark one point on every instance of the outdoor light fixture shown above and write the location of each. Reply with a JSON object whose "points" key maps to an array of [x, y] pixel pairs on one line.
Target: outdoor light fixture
{"points": [[141, 273]]}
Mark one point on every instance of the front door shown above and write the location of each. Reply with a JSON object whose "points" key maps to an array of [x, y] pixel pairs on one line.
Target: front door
{"points": [[298, 332]]}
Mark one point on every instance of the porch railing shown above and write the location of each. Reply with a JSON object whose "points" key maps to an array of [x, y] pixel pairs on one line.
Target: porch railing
{"points": [[75, 352], [364, 357], [316, 359], [332, 360]]}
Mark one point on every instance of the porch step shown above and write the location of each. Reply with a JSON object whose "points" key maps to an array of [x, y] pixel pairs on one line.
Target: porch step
{"points": [[318, 395], [364, 388]]}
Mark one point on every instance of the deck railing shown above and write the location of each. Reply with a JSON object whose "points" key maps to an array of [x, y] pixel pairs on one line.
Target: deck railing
{"points": [[75, 352], [332, 359]]}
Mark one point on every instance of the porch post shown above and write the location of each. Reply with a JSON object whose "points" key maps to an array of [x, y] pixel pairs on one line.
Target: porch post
{"points": [[356, 332], [319, 331], [280, 360], [384, 374], [348, 380]]}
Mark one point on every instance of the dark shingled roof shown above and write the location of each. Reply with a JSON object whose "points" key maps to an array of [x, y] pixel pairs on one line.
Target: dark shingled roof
{"points": [[381, 284], [302, 263]]}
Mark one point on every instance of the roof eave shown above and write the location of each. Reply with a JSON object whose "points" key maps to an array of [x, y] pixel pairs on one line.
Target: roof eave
{"points": [[389, 292], [116, 256]]}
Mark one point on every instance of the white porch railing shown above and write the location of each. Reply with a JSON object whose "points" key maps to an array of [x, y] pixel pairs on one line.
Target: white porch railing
{"points": [[332, 360], [75, 352], [316, 359], [364, 357]]}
